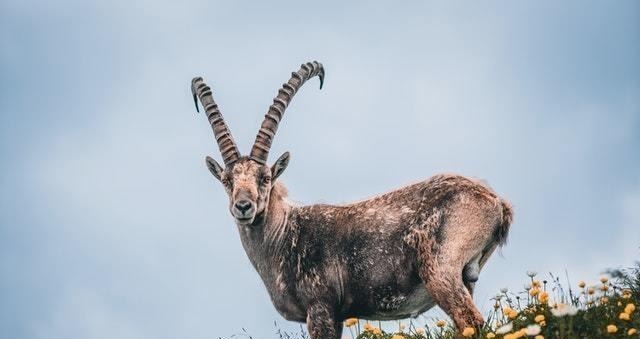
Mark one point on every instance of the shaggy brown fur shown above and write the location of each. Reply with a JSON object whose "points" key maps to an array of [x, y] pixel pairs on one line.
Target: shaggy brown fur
{"points": [[392, 256], [389, 257]]}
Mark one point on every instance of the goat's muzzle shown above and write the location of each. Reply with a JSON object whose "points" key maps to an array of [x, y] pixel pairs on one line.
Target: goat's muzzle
{"points": [[244, 211]]}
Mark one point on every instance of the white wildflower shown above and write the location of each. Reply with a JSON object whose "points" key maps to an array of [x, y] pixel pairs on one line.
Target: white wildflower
{"points": [[504, 329], [564, 309], [532, 330]]}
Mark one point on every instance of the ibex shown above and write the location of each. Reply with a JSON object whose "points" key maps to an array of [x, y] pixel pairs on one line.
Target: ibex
{"points": [[392, 256]]}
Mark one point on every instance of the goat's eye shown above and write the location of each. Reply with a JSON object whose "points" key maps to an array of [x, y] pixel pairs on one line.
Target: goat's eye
{"points": [[225, 182], [266, 180]]}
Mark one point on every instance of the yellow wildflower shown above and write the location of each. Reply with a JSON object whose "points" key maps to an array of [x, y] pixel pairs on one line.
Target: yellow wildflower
{"points": [[604, 288], [536, 283], [350, 322], [632, 331], [440, 323], [603, 279], [509, 336], [612, 328], [368, 327], [544, 297], [543, 323], [582, 284], [604, 300], [420, 331], [624, 316], [490, 335], [521, 333], [629, 308], [534, 291], [539, 337], [376, 331], [397, 336], [626, 294], [591, 290], [510, 312], [469, 331], [539, 318]]}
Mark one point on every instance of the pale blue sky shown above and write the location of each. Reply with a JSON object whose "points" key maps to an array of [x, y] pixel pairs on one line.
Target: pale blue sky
{"points": [[112, 227]]}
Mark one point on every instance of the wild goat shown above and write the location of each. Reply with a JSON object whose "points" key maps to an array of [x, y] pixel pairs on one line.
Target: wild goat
{"points": [[392, 256]]}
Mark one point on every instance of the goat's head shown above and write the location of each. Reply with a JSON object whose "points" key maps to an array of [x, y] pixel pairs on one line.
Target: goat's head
{"points": [[247, 179]]}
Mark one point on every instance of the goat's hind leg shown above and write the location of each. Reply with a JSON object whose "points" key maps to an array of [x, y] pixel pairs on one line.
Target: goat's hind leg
{"points": [[447, 273], [444, 283], [448, 260]]}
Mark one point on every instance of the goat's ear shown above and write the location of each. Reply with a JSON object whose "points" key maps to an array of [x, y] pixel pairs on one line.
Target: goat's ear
{"points": [[279, 166], [214, 168]]}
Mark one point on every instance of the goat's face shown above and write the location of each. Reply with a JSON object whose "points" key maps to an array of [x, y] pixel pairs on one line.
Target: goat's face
{"points": [[248, 185], [247, 179]]}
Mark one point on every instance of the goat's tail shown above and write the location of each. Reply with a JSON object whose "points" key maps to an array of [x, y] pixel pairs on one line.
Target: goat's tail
{"points": [[502, 229]]}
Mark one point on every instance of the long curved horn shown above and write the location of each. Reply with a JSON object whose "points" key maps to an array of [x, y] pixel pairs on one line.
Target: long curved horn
{"points": [[260, 149], [221, 132]]}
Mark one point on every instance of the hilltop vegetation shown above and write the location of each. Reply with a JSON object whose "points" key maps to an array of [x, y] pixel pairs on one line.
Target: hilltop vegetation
{"points": [[543, 309]]}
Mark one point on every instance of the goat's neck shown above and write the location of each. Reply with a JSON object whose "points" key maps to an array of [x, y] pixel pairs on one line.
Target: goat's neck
{"points": [[266, 238]]}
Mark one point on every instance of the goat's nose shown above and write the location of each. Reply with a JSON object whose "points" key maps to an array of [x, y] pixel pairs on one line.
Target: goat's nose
{"points": [[243, 205]]}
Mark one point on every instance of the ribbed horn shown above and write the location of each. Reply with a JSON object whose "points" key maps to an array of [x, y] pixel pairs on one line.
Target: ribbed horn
{"points": [[221, 132], [262, 145]]}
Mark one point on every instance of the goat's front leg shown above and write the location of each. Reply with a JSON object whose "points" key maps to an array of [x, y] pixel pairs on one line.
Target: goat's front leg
{"points": [[321, 322]]}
